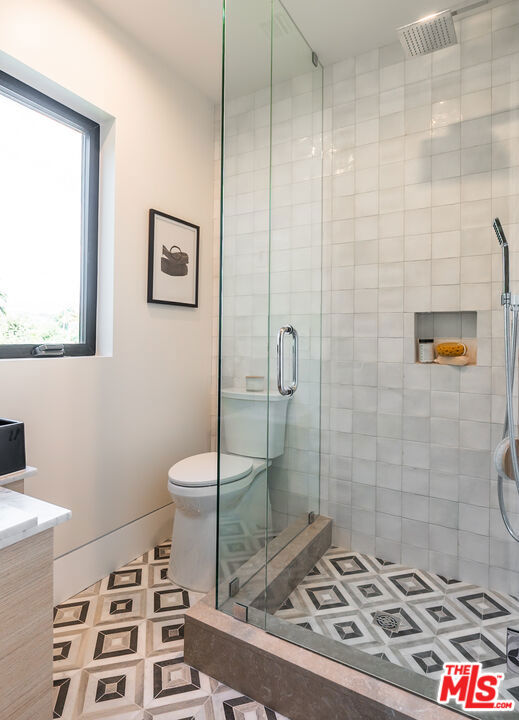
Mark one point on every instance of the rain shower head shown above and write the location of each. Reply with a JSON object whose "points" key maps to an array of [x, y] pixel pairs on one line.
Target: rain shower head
{"points": [[431, 33]]}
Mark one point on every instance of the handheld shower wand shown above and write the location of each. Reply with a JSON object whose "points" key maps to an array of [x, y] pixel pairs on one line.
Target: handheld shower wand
{"points": [[508, 443], [498, 228]]}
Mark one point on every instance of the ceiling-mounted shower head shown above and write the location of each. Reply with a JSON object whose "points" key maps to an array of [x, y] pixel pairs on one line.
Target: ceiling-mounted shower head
{"points": [[431, 33]]}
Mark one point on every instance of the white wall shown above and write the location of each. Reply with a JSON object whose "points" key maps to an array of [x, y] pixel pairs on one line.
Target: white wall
{"points": [[103, 431]]}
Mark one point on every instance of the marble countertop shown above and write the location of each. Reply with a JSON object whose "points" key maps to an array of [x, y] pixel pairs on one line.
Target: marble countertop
{"points": [[22, 516], [18, 475]]}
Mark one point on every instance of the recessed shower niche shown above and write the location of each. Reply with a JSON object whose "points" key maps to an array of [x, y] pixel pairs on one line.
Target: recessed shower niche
{"points": [[445, 327]]}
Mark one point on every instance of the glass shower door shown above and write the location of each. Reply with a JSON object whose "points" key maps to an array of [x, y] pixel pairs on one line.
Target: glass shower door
{"points": [[270, 315], [295, 275]]}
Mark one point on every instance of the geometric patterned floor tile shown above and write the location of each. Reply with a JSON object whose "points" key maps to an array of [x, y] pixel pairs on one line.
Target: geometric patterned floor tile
{"points": [[165, 636], [429, 661], [124, 606], [69, 651], [158, 576], [169, 682], [118, 651], [160, 553], [411, 584], [107, 690], [65, 691], [483, 606], [118, 645], [230, 705], [168, 601], [371, 591], [476, 647], [115, 643], [325, 597], [440, 619], [346, 565], [128, 578], [75, 614]]}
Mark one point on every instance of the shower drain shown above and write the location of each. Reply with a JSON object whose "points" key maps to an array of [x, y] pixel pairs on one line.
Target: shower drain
{"points": [[387, 621]]}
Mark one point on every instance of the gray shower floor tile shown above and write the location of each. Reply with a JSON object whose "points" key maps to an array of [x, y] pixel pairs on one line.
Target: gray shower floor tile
{"points": [[438, 619]]}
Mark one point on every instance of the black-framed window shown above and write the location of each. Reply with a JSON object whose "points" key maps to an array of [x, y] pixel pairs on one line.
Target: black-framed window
{"points": [[49, 200]]}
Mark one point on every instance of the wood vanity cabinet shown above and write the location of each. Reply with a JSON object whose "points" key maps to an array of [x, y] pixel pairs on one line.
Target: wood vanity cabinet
{"points": [[26, 628]]}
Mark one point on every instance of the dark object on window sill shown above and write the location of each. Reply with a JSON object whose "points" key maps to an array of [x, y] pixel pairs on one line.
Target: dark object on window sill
{"points": [[12, 446]]}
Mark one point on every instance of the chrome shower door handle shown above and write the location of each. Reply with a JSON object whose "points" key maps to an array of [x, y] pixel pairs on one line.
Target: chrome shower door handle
{"points": [[295, 361], [280, 351]]}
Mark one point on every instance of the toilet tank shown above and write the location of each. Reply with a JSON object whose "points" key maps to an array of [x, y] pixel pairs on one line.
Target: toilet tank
{"points": [[244, 422]]}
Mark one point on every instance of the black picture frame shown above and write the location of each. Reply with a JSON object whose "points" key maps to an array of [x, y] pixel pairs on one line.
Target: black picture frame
{"points": [[192, 263]]}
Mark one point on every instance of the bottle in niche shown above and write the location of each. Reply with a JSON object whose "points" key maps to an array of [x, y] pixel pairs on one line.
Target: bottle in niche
{"points": [[425, 350]]}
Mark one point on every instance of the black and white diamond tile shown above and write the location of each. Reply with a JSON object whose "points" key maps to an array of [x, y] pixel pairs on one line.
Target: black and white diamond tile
{"points": [[165, 636], [440, 619], [126, 579], [477, 647], [227, 704], [169, 600], [107, 690], [114, 643], [74, 614], [483, 606], [68, 650], [326, 596], [65, 690], [160, 553], [371, 591], [347, 564], [158, 576], [118, 651], [413, 584], [124, 606], [170, 682], [354, 628]]}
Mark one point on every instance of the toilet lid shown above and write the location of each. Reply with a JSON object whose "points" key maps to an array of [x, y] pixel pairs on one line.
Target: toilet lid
{"points": [[200, 470]]}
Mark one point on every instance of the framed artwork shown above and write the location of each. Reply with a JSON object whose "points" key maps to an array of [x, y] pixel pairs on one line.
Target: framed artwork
{"points": [[172, 260]]}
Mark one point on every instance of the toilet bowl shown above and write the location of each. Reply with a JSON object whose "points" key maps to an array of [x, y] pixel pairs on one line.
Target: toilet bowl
{"points": [[192, 483]]}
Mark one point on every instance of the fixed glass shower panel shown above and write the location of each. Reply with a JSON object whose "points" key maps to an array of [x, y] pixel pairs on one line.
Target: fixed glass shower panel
{"points": [[269, 419]]}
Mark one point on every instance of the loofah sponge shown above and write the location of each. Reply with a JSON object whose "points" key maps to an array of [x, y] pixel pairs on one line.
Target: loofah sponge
{"points": [[451, 349]]}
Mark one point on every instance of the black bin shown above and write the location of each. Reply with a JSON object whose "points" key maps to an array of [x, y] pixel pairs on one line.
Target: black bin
{"points": [[12, 446]]}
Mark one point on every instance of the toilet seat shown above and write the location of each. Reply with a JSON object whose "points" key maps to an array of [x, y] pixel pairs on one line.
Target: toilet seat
{"points": [[202, 470]]}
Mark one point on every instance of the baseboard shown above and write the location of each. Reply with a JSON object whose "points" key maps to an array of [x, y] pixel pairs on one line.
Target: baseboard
{"points": [[80, 568]]}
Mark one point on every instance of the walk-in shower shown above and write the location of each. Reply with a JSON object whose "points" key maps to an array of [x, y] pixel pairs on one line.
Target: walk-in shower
{"points": [[361, 178]]}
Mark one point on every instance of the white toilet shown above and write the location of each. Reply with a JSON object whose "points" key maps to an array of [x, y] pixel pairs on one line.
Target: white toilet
{"points": [[192, 483]]}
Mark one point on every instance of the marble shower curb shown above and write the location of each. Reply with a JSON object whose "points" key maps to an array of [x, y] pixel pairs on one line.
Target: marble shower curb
{"points": [[292, 680]]}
